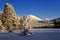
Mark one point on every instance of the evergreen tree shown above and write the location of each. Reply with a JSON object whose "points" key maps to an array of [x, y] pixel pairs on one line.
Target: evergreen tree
{"points": [[24, 25]]}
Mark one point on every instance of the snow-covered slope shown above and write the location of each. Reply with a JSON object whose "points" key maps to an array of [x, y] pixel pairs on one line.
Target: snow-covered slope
{"points": [[32, 17], [46, 19]]}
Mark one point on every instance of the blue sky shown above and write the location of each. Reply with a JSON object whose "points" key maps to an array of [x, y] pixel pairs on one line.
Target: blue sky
{"points": [[41, 8]]}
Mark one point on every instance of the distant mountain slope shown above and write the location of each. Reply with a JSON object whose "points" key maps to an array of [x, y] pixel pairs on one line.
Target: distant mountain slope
{"points": [[32, 17]]}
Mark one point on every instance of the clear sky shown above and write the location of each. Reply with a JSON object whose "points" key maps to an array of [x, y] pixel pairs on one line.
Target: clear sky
{"points": [[41, 8]]}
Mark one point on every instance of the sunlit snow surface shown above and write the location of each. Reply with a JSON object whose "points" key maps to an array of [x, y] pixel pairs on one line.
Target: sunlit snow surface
{"points": [[37, 34], [33, 17]]}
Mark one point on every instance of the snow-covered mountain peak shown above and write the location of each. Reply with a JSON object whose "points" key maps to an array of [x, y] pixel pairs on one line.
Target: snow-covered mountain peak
{"points": [[32, 17]]}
